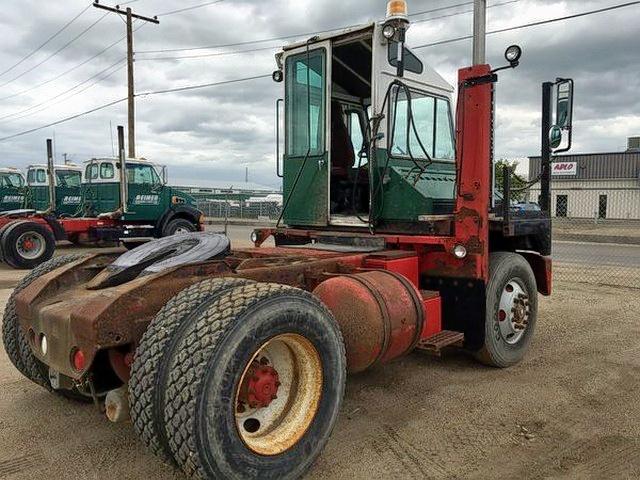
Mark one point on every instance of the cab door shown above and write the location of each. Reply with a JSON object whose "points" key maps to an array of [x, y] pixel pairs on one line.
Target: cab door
{"points": [[307, 135], [145, 193]]}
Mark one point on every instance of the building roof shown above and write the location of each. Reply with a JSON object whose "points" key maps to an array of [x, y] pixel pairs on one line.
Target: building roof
{"points": [[596, 166]]}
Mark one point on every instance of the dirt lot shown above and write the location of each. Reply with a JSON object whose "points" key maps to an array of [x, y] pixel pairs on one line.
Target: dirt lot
{"points": [[568, 411]]}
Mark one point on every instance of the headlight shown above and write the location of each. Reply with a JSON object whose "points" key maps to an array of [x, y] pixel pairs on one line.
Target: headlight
{"points": [[277, 76], [254, 237], [459, 251], [389, 31], [513, 54]]}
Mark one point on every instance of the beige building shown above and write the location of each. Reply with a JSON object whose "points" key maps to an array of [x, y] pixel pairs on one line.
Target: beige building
{"points": [[598, 185]]}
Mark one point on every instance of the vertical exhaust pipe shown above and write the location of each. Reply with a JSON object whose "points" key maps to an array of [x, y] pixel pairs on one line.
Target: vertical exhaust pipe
{"points": [[122, 156], [479, 32], [51, 176]]}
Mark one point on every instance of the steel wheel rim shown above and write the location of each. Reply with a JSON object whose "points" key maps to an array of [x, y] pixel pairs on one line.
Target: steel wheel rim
{"points": [[286, 419], [30, 245], [513, 311], [181, 231]]}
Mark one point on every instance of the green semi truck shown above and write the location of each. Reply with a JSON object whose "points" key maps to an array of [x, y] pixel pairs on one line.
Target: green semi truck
{"points": [[148, 198], [13, 190], [68, 184]]}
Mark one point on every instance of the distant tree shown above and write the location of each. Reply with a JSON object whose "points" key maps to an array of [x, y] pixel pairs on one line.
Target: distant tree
{"points": [[517, 183]]}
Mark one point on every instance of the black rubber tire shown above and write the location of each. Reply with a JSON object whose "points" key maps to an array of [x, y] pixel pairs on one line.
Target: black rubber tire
{"points": [[178, 223], [209, 360], [149, 372], [15, 341], [12, 234], [503, 267]]}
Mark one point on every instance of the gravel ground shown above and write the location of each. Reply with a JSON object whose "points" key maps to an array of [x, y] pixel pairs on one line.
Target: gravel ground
{"points": [[568, 411]]}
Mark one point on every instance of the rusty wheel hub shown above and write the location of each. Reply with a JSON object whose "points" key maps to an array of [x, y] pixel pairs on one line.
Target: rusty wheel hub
{"points": [[278, 394], [260, 386], [513, 312]]}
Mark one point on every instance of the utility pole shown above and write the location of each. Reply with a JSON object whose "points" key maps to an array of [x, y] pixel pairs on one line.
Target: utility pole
{"points": [[131, 94], [479, 32]]}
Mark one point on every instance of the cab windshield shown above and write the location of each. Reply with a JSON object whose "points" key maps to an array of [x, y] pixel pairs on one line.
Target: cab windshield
{"points": [[68, 178], [11, 180], [142, 174]]}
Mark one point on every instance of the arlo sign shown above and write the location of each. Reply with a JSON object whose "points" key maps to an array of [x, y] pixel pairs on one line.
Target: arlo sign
{"points": [[564, 169]]}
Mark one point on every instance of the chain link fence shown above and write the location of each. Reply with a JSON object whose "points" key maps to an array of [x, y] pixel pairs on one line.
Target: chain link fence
{"points": [[596, 235], [221, 210]]}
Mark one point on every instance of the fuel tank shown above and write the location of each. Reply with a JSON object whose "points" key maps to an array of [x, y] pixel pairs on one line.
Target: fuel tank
{"points": [[380, 313]]}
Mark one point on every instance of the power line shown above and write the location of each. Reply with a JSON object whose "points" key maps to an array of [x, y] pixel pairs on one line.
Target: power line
{"points": [[56, 52], [237, 52], [46, 42], [462, 13], [145, 94], [64, 120], [66, 72], [187, 9], [207, 55], [194, 87], [204, 85], [286, 37], [532, 24], [33, 107]]}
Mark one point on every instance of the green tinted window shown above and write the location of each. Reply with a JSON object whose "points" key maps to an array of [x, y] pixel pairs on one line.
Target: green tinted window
{"points": [[357, 139], [12, 180], [107, 171], [68, 178], [433, 125], [142, 174], [444, 131], [91, 172], [41, 175], [305, 115]]}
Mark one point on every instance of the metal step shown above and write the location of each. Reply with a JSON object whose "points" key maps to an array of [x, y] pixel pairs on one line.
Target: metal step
{"points": [[435, 344]]}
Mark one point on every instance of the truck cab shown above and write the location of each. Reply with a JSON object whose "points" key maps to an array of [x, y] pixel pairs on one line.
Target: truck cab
{"points": [[68, 180], [328, 174], [149, 199], [12, 189]]}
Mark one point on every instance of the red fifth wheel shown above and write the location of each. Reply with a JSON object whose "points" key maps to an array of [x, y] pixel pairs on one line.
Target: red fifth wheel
{"points": [[255, 384]]}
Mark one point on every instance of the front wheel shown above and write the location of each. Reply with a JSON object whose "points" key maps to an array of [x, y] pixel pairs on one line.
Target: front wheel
{"points": [[178, 226], [511, 310], [255, 385]]}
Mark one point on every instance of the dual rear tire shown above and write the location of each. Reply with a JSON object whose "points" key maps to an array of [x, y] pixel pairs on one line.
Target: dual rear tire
{"points": [[237, 379]]}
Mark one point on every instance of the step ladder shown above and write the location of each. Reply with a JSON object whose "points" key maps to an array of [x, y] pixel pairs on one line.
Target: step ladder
{"points": [[436, 343]]}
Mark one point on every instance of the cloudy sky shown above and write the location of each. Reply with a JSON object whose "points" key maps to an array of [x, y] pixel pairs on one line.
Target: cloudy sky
{"points": [[215, 133]]}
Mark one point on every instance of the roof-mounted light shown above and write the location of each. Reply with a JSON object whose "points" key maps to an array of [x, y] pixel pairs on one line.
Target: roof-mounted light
{"points": [[397, 10]]}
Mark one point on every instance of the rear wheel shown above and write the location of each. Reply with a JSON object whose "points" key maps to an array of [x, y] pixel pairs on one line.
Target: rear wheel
{"points": [[178, 226], [15, 341], [149, 371], [511, 311], [255, 385], [27, 244]]}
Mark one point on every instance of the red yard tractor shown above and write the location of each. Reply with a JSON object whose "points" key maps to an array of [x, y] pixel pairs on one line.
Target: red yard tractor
{"points": [[232, 363]]}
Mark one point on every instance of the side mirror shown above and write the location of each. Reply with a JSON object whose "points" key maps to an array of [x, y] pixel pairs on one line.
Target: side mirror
{"points": [[555, 137], [564, 104], [563, 93], [165, 175]]}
